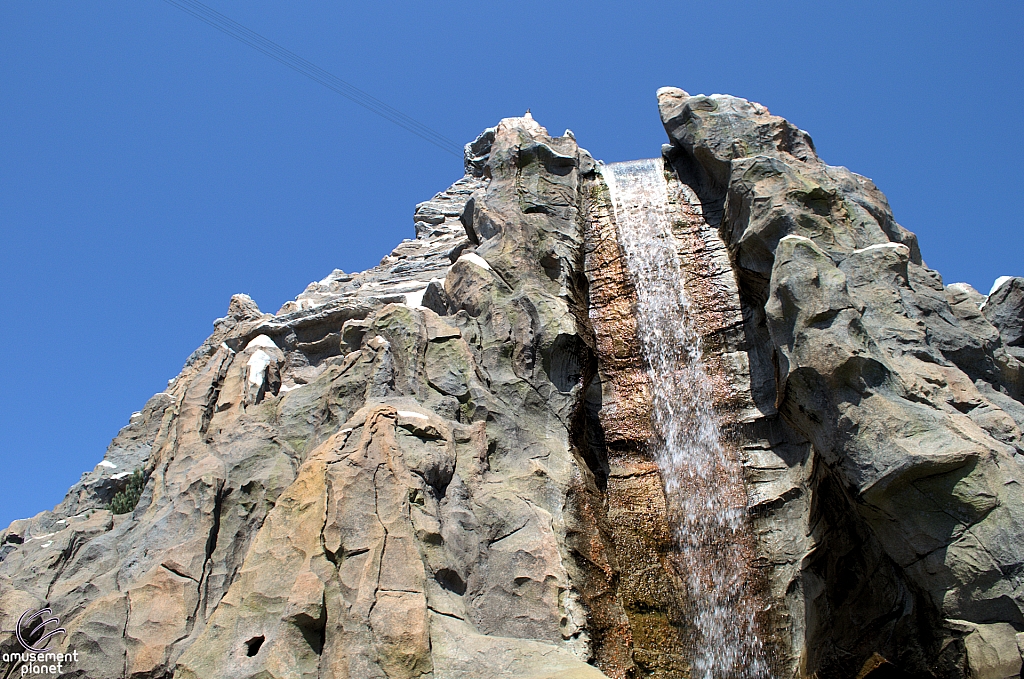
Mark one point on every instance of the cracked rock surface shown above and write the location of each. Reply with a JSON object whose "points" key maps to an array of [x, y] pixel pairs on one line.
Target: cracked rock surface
{"points": [[439, 467], [910, 538], [372, 482]]}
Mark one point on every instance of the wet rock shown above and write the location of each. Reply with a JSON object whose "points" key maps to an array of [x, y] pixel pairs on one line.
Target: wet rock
{"points": [[907, 396], [439, 466]]}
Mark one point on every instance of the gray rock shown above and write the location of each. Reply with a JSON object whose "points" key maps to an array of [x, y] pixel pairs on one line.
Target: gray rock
{"points": [[1004, 308], [438, 467], [346, 486], [904, 390]]}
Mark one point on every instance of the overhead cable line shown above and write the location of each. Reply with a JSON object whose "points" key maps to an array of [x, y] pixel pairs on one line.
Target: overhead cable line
{"points": [[312, 71]]}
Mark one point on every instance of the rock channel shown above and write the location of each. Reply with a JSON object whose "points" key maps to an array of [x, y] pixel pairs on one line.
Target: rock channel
{"points": [[445, 466]]}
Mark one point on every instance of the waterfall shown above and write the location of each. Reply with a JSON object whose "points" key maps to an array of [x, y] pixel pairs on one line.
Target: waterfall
{"points": [[703, 485]]}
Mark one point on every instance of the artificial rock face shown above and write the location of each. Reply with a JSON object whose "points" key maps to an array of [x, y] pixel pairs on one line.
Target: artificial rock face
{"points": [[440, 467], [905, 391]]}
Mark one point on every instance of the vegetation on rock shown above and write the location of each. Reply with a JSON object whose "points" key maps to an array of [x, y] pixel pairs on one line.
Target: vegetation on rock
{"points": [[125, 500]]}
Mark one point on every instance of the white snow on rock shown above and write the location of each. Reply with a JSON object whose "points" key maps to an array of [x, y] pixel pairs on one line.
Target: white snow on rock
{"points": [[793, 236], [999, 283], [962, 287], [120, 475], [108, 464], [286, 388], [474, 258], [257, 364], [413, 414], [261, 341], [415, 299], [40, 537], [883, 246], [302, 304]]}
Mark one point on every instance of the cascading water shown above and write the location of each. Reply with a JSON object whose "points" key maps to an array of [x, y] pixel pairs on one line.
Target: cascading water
{"points": [[703, 487]]}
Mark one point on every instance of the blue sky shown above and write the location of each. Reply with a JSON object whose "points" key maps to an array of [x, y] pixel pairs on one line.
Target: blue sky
{"points": [[151, 166]]}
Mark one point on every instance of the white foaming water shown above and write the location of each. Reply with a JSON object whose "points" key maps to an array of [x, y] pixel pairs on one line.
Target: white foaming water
{"points": [[703, 486]]}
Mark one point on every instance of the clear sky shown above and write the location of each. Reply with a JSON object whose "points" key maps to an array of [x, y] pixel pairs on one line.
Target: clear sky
{"points": [[151, 166]]}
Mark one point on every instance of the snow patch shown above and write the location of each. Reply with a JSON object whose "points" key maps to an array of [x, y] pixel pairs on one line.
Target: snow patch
{"points": [[999, 283], [410, 286], [304, 303], [474, 258], [415, 299], [120, 475], [137, 413], [793, 236], [413, 414], [286, 388], [257, 364], [261, 341], [107, 464], [880, 246], [47, 544], [961, 287]]}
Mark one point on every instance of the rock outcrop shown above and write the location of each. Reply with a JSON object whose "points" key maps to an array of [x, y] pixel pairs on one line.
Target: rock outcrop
{"points": [[441, 467], [908, 397], [376, 481], [1004, 309]]}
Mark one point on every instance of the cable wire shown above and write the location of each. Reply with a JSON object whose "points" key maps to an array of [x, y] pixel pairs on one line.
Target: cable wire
{"points": [[293, 61]]}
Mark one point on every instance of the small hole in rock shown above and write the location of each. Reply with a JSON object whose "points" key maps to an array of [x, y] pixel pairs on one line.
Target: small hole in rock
{"points": [[252, 647], [451, 581], [552, 267], [564, 365]]}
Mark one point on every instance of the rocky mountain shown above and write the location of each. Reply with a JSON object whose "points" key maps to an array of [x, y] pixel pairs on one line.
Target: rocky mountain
{"points": [[708, 415]]}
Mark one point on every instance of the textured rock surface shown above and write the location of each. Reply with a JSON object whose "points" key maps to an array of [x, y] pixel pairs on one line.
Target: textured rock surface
{"points": [[654, 619], [376, 481], [1004, 309], [905, 394], [438, 467]]}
